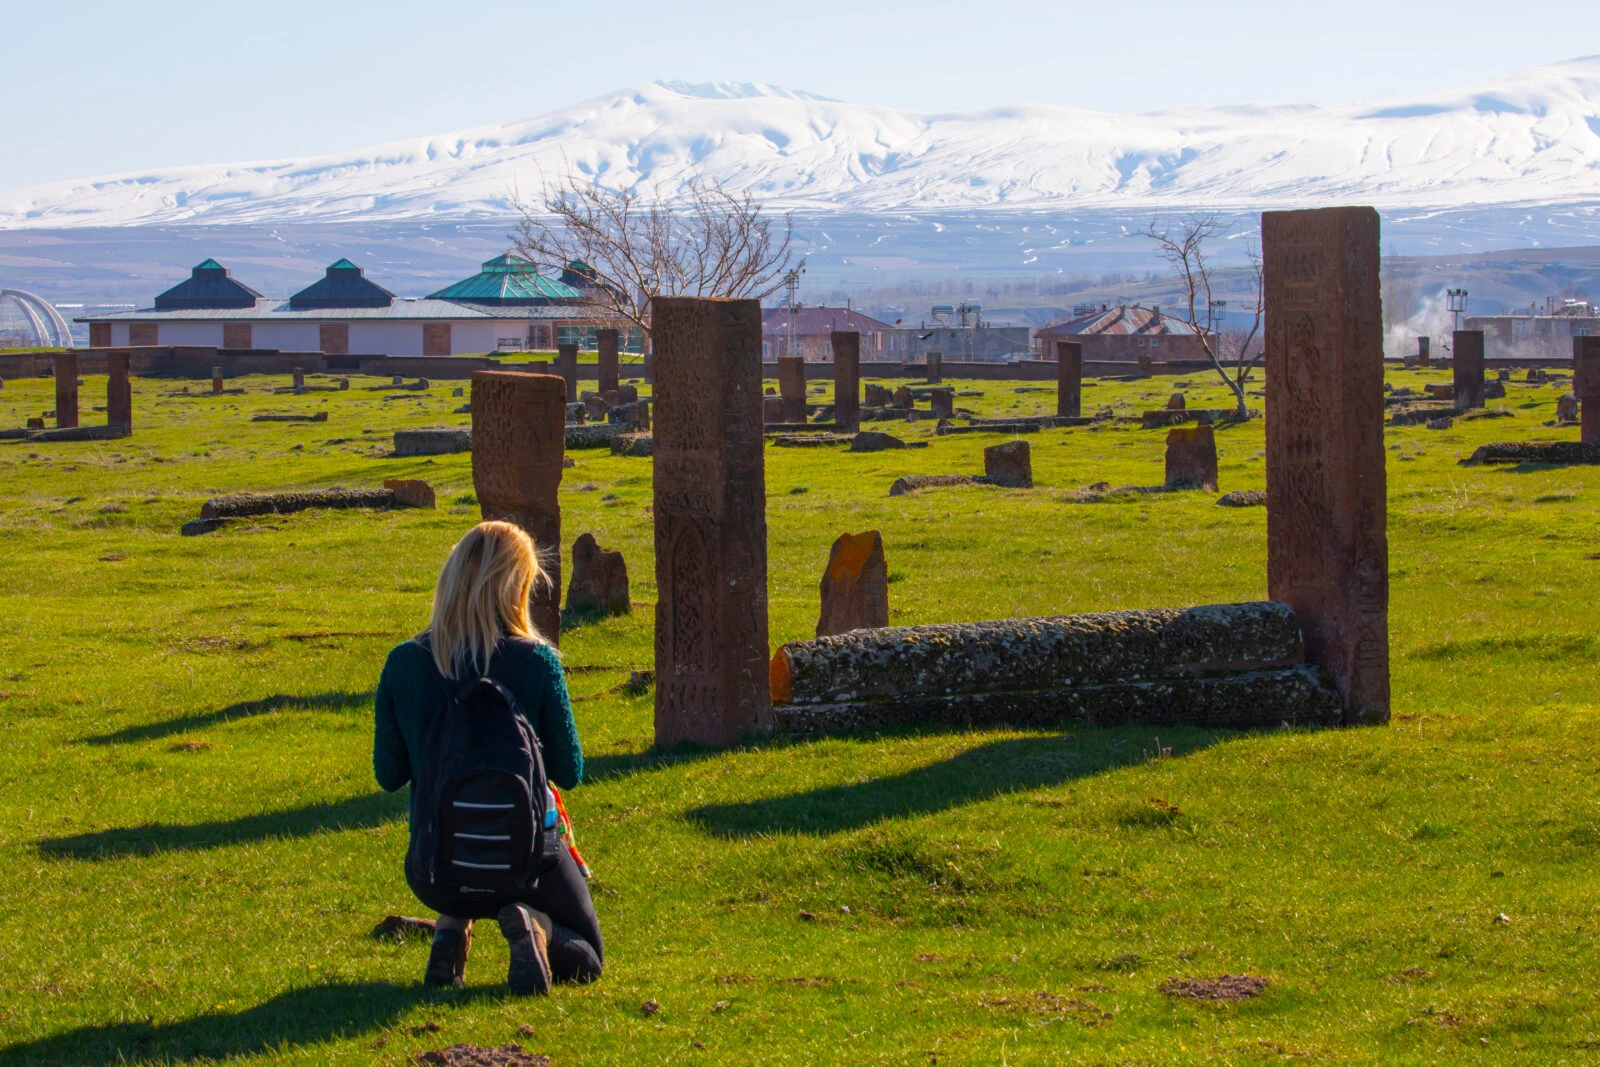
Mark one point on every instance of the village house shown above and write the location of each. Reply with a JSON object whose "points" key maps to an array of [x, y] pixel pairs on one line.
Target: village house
{"points": [[1122, 334]]}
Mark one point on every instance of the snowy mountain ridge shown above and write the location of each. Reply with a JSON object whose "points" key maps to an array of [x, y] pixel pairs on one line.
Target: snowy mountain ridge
{"points": [[1531, 137]]}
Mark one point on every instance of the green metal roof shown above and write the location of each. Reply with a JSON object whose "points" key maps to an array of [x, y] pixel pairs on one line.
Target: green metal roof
{"points": [[508, 280]]}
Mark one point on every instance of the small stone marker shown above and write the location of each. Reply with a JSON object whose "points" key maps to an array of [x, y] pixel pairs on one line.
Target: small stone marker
{"points": [[1327, 546], [606, 344], [298, 379], [1069, 379], [627, 394], [873, 441], [942, 402], [411, 492], [567, 368], [935, 368], [904, 399], [1586, 384], [1444, 422], [1567, 409], [1423, 344], [1441, 391], [877, 396], [855, 587], [1192, 458], [710, 522], [1009, 465], [458, 391], [35, 424], [1176, 402], [1468, 363], [518, 439], [772, 409], [216, 380], [119, 391], [398, 380], [599, 578], [66, 368], [1494, 389], [846, 380], [597, 406], [792, 387]]}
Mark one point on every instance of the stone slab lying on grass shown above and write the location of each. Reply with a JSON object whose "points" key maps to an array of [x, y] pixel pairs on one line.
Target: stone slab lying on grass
{"points": [[811, 440], [1302, 696], [411, 492], [242, 504], [945, 429], [431, 442], [1036, 653], [800, 427], [594, 435], [1045, 422], [81, 433], [873, 441], [321, 416], [911, 482], [1243, 498], [633, 444], [196, 527], [1553, 452], [1420, 414]]}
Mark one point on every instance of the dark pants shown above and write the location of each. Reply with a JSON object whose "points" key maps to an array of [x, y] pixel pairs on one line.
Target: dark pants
{"points": [[576, 952]]}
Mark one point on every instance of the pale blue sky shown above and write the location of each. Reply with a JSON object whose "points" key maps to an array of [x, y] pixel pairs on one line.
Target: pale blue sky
{"points": [[104, 86]]}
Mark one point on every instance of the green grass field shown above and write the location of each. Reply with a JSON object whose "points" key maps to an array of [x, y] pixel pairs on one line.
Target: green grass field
{"points": [[193, 851]]}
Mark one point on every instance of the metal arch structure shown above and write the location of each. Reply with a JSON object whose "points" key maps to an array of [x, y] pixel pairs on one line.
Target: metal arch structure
{"points": [[49, 328]]}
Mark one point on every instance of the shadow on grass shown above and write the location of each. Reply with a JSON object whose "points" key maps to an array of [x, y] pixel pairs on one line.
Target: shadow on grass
{"points": [[575, 618], [298, 1018], [357, 813], [988, 771], [242, 710]]}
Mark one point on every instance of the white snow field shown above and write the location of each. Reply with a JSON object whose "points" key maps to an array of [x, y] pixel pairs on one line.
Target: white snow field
{"points": [[1531, 139]]}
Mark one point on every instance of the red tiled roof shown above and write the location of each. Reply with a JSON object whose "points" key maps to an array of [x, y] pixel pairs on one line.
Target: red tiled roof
{"points": [[814, 320]]}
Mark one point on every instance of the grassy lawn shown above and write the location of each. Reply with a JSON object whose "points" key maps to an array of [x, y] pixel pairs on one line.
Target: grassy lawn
{"points": [[193, 851]]}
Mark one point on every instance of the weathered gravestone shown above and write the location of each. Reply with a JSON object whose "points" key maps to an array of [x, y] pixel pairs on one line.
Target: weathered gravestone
{"points": [[567, 368], [1467, 361], [518, 443], [1192, 458], [606, 343], [904, 398], [119, 391], [1327, 549], [846, 380], [855, 587], [1586, 384], [877, 396], [1566, 409], [599, 579], [772, 409], [297, 379], [710, 522], [935, 367], [1069, 379], [66, 368], [216, 379], [1009, 465], [792, 387], [942, 402], [1176, 402]]}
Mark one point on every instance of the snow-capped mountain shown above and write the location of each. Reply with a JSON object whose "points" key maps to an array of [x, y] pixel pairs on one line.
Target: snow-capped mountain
{"points": [[1532, 138]]}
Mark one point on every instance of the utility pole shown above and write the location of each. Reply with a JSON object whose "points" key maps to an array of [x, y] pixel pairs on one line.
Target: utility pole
{"points": [[1456, 302]]}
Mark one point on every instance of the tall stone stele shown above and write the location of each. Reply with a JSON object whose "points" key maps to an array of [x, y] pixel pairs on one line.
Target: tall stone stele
{"points": [[1424, 343], [792, 387], [1467, 364], [119, 391], [1327, 549], [66, 368], [935, 368], [1586, 385], [606, 342], [1069, 379], [567, 368], [846, 380], [519, 438], [710, 522]]}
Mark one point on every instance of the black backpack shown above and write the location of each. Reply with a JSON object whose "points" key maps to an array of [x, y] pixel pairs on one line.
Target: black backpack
{"points": [[485, 822]]}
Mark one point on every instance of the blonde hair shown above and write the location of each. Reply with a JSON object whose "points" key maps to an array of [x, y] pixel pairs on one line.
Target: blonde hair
{"points": [[482, 596]]}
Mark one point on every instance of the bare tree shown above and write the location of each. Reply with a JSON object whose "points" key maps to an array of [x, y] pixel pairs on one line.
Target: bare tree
{"points": [[704, 241], [1233, 354]]}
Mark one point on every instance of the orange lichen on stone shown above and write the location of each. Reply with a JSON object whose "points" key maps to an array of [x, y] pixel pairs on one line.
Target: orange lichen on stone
{"points": [[851, 554], [780, 677]]}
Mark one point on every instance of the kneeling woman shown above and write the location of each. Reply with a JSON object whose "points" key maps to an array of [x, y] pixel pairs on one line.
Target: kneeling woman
{"points": [[480, 628]]}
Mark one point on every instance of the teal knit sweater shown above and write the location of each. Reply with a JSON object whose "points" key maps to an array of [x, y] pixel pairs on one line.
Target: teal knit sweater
{"points": [[411, 695]]}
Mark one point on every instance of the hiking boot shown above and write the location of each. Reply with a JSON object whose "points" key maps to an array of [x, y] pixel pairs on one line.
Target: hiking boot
{"points": [[447, 960], [529, 942]]}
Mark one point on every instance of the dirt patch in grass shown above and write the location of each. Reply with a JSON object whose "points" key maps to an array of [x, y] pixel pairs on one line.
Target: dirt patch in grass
{"points": [[1050, 1005], [479, 1056], [1222, 987]]}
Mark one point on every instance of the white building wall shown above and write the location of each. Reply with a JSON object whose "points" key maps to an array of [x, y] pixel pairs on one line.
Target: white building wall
{"points": [[119, 335], [386, 338], [286, 336], [477, 337], [206, 334]]}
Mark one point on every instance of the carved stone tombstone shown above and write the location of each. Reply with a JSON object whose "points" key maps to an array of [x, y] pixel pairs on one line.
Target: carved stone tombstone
{"points": [[935, 368], [1009, 465], [710, 522], [119, 391], [1192, 458], [1327, 546], [846, 380], [1467, 361], [518, 441], [606, 343], [1069, 379], [855, 587], [1423, 344], [567, 368], [1586, 384], [66, 367], [942, 402], [792, 387]]}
